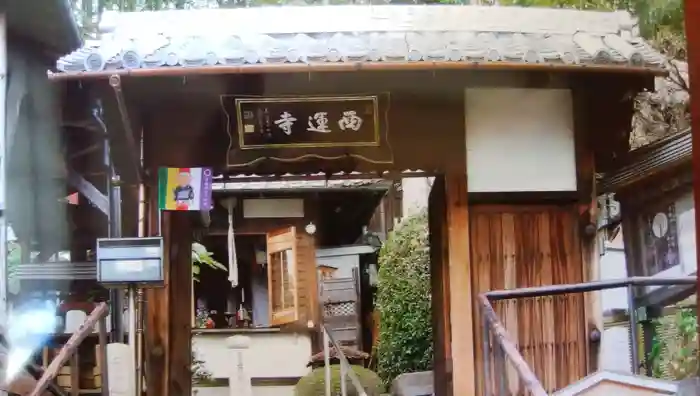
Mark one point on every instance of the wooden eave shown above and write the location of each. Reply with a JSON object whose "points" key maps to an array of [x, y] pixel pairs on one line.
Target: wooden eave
{"points": [[647, 164], [356, 66]]}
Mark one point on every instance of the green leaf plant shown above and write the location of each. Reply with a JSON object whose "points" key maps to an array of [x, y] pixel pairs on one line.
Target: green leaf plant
{"points": [[676, 358], [403, 301], [202, 257]]}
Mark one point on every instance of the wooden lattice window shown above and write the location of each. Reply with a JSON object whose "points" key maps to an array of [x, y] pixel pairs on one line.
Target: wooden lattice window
{"points": [[292, 277], [282, 280]]}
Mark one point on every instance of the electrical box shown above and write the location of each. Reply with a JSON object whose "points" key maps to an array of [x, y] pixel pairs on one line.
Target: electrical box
{"points": [[130, 261]]}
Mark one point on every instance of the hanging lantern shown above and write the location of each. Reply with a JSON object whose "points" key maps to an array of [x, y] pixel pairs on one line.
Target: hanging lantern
{"points": [[260, 256]]}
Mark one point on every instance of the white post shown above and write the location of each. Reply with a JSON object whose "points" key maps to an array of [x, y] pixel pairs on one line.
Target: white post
{"points": [[132, 334], [327, 362], [343, 376], [120, 370], [239, 381]]}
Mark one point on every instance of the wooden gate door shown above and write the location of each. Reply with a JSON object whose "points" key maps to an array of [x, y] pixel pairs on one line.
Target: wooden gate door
{"points": [[524, 246], [340, 299]]}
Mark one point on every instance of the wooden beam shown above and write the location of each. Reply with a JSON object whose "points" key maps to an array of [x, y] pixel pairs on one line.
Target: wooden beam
{"points": [[462, 299], [692, 32], [89, 191], [69, 349], [502, 339]]}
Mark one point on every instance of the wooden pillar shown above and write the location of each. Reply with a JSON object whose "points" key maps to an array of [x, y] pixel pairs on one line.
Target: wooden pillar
{"points": [[692, 31], [440, 289], [168, 345], [167, 318], [453, 307], [587, 209], [155, 314], [460, 285]]}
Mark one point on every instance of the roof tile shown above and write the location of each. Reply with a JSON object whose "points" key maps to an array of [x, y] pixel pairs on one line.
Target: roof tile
{"points": [[378, 34]]}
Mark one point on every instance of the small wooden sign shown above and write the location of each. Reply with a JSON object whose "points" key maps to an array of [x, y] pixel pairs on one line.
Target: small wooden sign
{"points": [[307, 122], [661, 250]]}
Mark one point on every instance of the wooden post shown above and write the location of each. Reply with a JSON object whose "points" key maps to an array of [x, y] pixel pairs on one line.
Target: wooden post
{"points": [[168, 326], [692, 31], [460, 284], [453, 298], [156, 313], [440, 289]]}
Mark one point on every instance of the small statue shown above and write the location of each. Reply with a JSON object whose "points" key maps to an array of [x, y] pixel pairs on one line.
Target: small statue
{"points": [[242, 317], [209, 323], [201, 315]]}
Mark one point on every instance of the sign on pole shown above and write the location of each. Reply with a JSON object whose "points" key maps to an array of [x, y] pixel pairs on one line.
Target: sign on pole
{"points": [[185, 189]]}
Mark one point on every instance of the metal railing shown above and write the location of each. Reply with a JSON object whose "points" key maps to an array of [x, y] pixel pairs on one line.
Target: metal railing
{"points": [[345, 368], [498, 345]]}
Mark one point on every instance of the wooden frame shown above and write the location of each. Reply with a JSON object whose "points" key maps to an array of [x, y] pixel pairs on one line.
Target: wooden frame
{"points": [[281, 241], [239, 102]]}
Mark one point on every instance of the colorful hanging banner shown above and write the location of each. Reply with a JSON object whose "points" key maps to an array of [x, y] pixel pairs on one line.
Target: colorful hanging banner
{"points": [[184, 188]]}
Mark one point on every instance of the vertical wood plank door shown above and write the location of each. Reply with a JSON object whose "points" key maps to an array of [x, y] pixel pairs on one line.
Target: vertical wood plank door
{"points": [[524, 246]]}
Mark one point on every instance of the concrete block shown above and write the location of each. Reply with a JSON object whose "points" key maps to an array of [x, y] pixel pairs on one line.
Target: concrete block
{"points": [[413, 384]]}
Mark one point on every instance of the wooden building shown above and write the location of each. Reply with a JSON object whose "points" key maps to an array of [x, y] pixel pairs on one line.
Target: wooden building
{"points": [[512, 110], [337, 216], [654, 189]]}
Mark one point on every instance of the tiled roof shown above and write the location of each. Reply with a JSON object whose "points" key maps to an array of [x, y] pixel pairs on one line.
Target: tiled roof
{"points": [[362, 33]]}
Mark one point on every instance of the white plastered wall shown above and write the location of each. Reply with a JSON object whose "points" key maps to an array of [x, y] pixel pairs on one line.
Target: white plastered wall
{"points": [[520, 140]]}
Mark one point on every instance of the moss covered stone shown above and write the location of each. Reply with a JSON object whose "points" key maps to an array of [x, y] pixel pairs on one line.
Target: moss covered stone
{"points": [[313, 384]]}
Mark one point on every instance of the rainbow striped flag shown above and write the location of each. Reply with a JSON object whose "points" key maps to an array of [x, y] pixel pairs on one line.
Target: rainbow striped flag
{"points": [[184, 188]]}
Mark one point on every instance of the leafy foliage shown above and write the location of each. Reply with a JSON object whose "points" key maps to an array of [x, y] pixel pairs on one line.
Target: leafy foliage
{"points": [[657, 19], [664, 111], [678, 357], [14, 259], [201, 256], [200, 374], [403, 301], [314, 383]]}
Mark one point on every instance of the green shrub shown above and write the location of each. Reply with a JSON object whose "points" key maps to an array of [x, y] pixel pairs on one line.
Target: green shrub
{"points": [[403, 301], [674, 353], [313, 384]]}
